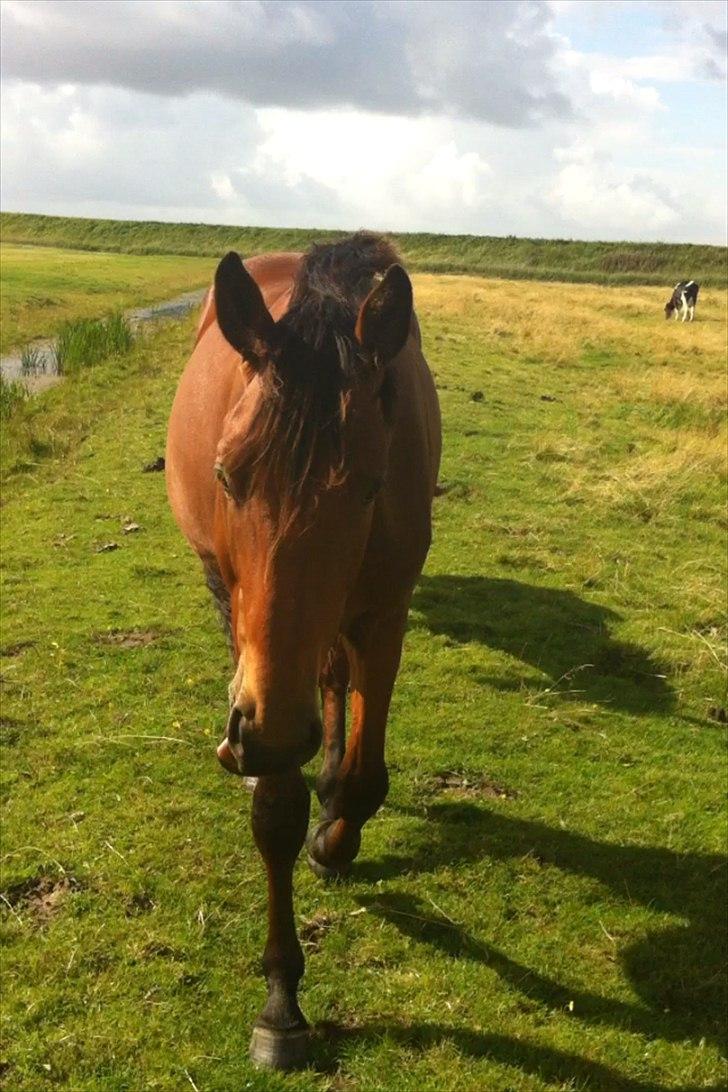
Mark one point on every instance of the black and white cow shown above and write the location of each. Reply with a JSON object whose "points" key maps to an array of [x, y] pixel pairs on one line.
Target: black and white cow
{"points": [[685, 296]]}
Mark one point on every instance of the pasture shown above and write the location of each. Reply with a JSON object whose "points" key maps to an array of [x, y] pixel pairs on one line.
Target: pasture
{"points": [[42, 287], [540, 903]]}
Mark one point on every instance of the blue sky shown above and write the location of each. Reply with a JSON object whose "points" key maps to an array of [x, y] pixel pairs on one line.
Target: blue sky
{"points": [[556, 118]]}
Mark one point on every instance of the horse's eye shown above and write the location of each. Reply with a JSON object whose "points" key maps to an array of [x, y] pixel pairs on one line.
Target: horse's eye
{"points": [[373, 490], [222, 476]]}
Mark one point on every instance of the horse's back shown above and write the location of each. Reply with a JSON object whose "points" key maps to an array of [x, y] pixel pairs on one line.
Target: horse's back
{"points": [[211, 384]]}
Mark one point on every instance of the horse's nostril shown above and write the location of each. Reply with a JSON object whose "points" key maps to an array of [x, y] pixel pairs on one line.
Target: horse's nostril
{"points": [[233, 725]]}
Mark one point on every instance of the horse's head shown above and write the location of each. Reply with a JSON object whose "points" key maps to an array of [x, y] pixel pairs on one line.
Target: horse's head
{"points": [[302, 458]]}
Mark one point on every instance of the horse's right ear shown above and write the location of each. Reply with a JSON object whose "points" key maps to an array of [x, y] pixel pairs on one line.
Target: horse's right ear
{"points": [[242, 315]]}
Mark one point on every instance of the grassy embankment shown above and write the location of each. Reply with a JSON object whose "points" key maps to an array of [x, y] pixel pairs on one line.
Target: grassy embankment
{"points": [[549, 915], [532, 259]]}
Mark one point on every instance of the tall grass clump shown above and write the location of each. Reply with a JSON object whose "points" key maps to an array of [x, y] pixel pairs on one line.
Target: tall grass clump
{"points": [[84, 342], [13, 393], [32, 361]]}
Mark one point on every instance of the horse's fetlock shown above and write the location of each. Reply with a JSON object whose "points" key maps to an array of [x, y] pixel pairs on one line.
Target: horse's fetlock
{"points": [[360, 795]]}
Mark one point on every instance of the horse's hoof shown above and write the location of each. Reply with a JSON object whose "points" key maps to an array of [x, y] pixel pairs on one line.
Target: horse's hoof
{"points": [[325, 873], [279, 1049], [315, 844]]}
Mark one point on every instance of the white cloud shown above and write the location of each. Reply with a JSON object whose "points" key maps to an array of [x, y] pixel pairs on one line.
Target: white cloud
{"points": [[466, 117], [222, 185], [588, 191]]}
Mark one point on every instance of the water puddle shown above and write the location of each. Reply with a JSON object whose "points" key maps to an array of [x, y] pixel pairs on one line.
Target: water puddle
{"points": [[43, 351]]}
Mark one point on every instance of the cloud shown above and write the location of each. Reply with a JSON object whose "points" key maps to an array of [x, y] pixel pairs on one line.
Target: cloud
{"points": [[499, 124], [587, 190], [714, 59], [80, 145], [464, 58]]}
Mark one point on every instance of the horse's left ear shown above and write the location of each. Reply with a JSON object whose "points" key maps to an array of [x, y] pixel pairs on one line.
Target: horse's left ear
{"points": [[242, 315], [384, 318]]}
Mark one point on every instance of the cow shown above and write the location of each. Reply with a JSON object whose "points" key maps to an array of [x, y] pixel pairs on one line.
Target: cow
{"points": [[685, 296]]}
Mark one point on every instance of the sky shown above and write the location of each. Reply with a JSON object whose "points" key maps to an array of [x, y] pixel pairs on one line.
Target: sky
{"points": [[553, 118]]}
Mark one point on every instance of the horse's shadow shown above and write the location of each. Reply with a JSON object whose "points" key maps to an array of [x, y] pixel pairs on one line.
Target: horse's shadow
{"points": [[557, 632], [679, 972], [556, 1067]]}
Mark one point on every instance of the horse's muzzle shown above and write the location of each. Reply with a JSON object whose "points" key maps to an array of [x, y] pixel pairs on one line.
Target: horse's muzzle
{"points": [[243, 752]]}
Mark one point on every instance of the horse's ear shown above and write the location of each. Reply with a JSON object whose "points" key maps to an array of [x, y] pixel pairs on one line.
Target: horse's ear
{"points": [[242, 315], [383, 323]]}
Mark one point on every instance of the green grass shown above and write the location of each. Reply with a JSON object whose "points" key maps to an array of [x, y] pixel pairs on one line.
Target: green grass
{"points": [[32, 361], [555, 923], [13, 394], [43, 287], [507, 256], [84, 342]]}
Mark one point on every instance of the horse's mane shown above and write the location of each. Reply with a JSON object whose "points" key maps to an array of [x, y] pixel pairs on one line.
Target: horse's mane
{"points": [[293, 446]]}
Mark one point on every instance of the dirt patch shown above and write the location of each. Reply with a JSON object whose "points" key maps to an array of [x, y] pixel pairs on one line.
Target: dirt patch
{"points": [[132, 638], [159, 950], [155, 466], [141, 903], [16, 648], [41, 897], [456, 489], [313, 931], [468, 783]]}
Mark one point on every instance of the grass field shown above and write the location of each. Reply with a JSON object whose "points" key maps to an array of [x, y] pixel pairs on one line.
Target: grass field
{"points": [[507, 256], [42, 287], [541, 902]]}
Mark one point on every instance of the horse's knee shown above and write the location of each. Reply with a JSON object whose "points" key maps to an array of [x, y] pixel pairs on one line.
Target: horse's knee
{"points": [[279, 815]]}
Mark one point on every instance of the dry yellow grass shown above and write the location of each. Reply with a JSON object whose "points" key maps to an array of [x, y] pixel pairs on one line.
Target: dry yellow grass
{"points": [[656, 478], [666, 385], [669, 378], [561, 323]]}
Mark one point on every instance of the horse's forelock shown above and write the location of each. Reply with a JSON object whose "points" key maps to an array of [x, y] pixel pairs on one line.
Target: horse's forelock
{"points": [[293, 445]]}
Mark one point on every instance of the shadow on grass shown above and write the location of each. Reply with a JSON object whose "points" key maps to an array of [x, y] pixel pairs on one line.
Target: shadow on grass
{"points": [[679, 972], [554, 1067], [554, 630]]}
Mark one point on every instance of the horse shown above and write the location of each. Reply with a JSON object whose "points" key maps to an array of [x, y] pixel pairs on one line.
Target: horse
{"points": [[301, 462]]}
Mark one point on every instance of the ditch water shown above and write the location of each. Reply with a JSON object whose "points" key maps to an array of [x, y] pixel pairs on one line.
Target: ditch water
{"points": [[45, 373]]}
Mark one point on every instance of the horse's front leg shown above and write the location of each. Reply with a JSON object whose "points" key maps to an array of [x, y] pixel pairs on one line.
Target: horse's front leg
{"points": [[280, 818], [334, 685], [360, 787]]}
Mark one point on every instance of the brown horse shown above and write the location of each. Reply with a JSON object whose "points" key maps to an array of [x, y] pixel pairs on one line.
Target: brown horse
{"points": [[302, 459]]}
